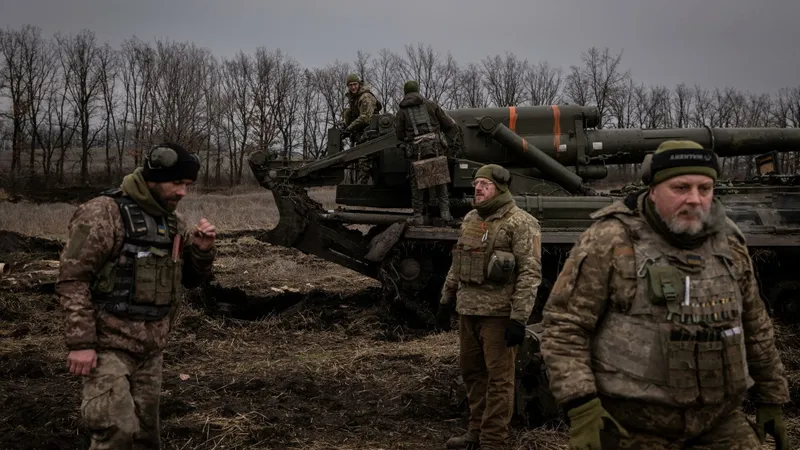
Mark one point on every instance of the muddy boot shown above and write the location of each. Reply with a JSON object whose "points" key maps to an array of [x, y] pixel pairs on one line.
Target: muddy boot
{"points": [[468, 440], [417, 204]]}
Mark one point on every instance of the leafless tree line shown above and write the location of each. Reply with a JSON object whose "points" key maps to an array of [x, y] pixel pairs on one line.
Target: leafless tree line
{"points": [[70, 95]]}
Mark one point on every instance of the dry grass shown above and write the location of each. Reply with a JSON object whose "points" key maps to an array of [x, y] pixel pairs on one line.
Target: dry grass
{"points": [[232, 209]]}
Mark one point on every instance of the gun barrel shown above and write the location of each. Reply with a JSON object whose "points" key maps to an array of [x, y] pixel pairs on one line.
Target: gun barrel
{"points": [[526, 151], [624, 146]]}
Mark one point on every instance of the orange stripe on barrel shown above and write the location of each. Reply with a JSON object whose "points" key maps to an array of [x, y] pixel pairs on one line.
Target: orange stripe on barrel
{"points": [[512, 118], [556, 127]]}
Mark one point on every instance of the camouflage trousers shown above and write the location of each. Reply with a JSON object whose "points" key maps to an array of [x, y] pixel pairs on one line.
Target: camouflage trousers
{"points": [[363, 169], [437, 194], [731, 432], [121, 401], [487, 367]]}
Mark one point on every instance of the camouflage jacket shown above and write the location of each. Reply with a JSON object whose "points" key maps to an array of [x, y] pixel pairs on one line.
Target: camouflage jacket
{"points": [[363, 105], [87, 327], [597, 281], [518, 233], [404, 128]]}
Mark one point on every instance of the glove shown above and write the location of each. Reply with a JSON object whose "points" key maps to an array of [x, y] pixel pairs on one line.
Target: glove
{"points": [[443, 316], [515, 333], [586, 421], [769, 420]]}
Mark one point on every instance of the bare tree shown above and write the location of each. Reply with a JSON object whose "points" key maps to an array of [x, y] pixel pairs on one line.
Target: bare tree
{"points": [[329, 81], [543, 84], [236, 80], [505, 79], [682, 105], [315, 120], [263, 82], [436, 76], [286, 102], [80, 58], [470, 92], [13, 79], [108, 68], [138, 80], [597, 81], [386, 81]]}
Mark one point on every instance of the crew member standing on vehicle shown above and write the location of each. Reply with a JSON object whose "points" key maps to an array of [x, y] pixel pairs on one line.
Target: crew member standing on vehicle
{"points": [[127, 258], [362, 104], [492, 284], [655, 330]]}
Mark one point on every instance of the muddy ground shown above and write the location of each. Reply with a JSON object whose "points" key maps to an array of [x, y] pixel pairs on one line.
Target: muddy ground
{"points": [[283, 351]]}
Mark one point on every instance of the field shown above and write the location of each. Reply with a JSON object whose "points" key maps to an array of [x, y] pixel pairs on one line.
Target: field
{"points": [[309, 359]]}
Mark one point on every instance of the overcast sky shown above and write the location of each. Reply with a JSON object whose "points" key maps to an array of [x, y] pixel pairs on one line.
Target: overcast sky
{"points": [[748, 44]]}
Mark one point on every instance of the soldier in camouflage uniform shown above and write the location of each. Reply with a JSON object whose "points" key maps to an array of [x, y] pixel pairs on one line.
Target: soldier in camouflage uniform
{"points": [[418, 126], [126, 259], [655, 330], [492, 284], [362, 104]]}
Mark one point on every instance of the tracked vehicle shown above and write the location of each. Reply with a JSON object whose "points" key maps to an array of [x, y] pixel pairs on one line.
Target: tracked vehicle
{"points": [[554, 154]]}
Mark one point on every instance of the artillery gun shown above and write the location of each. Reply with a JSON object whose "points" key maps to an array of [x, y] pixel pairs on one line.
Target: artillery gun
{"points": [[554, 153]]}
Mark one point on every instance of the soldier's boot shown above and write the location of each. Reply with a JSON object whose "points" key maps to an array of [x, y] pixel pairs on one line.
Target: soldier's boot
{"points": [[417, 205], [444, 203], [468, 440]]}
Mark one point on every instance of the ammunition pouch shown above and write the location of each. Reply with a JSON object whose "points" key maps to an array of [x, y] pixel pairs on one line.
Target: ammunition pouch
{"points": [[468, 265], [665, 285], [501, 267], [681, 365]]}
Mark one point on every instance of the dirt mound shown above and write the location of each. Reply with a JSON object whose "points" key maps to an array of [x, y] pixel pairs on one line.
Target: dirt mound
{"points": [[73, 194], [11, 242]]}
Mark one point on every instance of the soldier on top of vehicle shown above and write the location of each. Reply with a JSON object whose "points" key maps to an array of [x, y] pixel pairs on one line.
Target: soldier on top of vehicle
{"points": [[418, 126], [362, 104]]}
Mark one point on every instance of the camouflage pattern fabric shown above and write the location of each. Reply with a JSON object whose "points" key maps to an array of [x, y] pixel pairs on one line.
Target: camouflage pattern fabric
{"points": [[732, 432], [362, 106], [519, 233], [95, 235], [601, 279], [121, 401], [363, 171], [487, 367], [437, 194]]}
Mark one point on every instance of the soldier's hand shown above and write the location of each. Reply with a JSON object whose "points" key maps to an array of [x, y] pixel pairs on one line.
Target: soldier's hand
{"points": [[204, 235], [443, 316], [81, 362], [769, 420], [515, 333]]}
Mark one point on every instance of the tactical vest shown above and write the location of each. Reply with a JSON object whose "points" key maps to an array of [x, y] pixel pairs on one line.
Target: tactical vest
{"points": [[426, 142], [681, 342], [353, 112], [144, 281], [475, 259]]}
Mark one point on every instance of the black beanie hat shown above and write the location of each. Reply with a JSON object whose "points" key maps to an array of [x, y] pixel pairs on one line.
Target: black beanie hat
{"points": [[170, 162]]}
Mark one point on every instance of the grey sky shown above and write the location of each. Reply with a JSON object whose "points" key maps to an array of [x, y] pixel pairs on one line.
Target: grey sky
{"points": [[748, 44]]}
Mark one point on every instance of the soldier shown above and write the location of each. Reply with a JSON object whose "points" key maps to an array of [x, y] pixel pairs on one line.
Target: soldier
{"points": [[119, 284], [418, 127], [357, 117], [492, 284], [655, 324]]}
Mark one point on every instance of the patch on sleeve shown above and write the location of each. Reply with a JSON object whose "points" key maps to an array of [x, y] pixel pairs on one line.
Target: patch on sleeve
{"points": [[623, 251], [77, 240]]}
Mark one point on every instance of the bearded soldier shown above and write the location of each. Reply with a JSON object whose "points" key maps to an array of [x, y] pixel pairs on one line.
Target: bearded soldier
{"points": [[418, 127], [362, 104], [126, 258], [492, 284], [655, 330]]}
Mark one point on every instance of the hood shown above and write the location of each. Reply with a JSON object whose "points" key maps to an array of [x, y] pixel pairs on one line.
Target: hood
{"points": [[412, 99]]}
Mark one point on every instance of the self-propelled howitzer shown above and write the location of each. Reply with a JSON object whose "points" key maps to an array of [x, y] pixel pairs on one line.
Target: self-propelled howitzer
{"points": [[554, 154]]}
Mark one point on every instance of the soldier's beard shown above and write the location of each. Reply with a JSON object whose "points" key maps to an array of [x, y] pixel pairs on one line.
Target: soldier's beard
{"points": [[690, 220]]}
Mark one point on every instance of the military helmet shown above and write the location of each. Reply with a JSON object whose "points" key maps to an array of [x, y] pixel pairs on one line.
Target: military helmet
{"points": [[353, 78], [410, 86]]}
